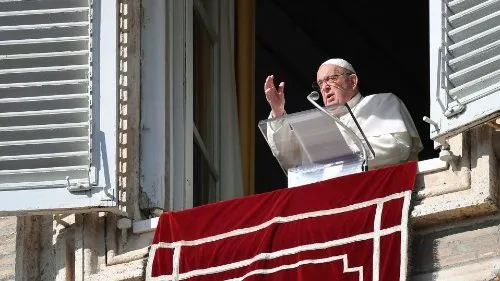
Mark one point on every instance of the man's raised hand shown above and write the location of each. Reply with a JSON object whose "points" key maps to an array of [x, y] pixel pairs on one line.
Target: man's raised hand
{"points": [[275, 97]]}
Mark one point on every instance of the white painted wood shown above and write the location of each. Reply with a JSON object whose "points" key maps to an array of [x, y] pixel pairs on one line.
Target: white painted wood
{"points": [[49, 77], [153, 103], [180, 94], [166, 107], [188, 105], [105, 139], [464, 75], [24, 103]]}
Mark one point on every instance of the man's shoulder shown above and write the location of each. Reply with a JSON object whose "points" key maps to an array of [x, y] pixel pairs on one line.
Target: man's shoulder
{"points": [[383, 96], [382, 99]]}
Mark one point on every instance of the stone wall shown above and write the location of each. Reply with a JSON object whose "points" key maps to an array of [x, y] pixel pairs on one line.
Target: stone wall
{"points": [[7, 248], [468, 250]]}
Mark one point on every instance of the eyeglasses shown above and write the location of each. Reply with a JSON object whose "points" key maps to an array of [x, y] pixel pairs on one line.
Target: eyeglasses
{"points": [[316, 85]]}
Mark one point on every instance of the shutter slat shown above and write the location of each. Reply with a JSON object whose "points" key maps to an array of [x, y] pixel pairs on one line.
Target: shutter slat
{"points": [[48, 47], [33, 185], [49, 90], [476, 56], [41, 177], [47, 147], [485, 23], [482, 85], [35, 34], [44, 83], [43, 55], [475, 41], [44, 98], [43, 11], [44, 127], [43, 141], [475, 13], [44, 112], [70, 62], [43, 170], [51, 160], [43, 26], [457, 6], [17, 5], [42, 106], [475, 71], [44, 93], [43, 76], [464, 45], [44, 156], [474, 29], [44, 40], [43, 69]]}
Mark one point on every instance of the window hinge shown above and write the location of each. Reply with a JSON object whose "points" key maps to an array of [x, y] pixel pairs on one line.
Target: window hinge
{"points": [[93, 176], [108, 196], [77, 185], [454, 108]]}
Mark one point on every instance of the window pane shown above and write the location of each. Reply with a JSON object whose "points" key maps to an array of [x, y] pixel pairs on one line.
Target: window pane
{"points": [[207, 5], [204, 187], [203, 84], [204, 116]]}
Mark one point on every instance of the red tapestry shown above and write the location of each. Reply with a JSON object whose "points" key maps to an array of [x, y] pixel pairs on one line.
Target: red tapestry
{"points": [[349, 228]]}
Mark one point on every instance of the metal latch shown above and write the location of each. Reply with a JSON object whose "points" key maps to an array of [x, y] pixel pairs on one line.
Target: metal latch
{"points": [[432, 122]]}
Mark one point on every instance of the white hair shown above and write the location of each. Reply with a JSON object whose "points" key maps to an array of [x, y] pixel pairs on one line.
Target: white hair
{"points": [[340, 62]]}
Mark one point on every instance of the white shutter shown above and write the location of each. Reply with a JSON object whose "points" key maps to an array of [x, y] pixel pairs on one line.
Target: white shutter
{"points": [[46, 93], [465, 64]]}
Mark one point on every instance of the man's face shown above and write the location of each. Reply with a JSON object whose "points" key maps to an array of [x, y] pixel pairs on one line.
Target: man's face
{"points": [[337, 86]]}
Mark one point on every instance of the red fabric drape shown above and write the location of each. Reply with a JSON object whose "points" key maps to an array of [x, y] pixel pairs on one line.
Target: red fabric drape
{"points": [[348, 228]]}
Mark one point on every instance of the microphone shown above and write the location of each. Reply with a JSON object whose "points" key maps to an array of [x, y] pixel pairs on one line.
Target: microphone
{"points": [[314, 96]]}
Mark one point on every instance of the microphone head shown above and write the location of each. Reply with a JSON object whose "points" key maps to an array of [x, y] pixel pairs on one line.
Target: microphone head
{"points": [[314, 95]]}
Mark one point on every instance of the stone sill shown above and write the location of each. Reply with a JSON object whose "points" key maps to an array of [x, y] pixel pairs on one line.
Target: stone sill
{"points": [[466, 188], [144, 226]]}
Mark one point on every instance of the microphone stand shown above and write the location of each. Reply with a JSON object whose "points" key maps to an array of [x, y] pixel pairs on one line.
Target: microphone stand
{"points": [[314, 96], [360, 130]]}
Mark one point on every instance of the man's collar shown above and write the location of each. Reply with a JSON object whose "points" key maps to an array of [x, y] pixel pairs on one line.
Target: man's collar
{"points": [[342, 110], [354, 100]]}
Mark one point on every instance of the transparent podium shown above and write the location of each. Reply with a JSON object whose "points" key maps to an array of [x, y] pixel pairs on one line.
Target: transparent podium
{"points": [[315, 145]]}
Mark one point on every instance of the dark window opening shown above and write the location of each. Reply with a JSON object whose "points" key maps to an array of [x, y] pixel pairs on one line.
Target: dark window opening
{"points": [[388, 45]]}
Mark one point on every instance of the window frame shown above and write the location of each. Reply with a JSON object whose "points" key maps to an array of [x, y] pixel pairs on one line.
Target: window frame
{"points": [[210, 22], [167, 103]]}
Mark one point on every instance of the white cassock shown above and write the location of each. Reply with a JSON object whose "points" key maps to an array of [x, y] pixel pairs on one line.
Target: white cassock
{"points": [[384, 119]]}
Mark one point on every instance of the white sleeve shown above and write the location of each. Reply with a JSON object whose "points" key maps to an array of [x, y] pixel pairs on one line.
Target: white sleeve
{"points": [[283, 144], [390, 149]]}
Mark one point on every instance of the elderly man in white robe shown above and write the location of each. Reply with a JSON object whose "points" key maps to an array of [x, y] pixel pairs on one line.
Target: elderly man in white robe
{"points": [[384, 118]]}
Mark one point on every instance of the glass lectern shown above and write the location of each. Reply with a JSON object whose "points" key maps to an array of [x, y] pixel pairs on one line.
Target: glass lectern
{"points": [[317, 144]]}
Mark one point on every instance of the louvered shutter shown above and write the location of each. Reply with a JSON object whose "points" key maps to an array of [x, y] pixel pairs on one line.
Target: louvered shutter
{"points": [[465, 64], [46, 94]]}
